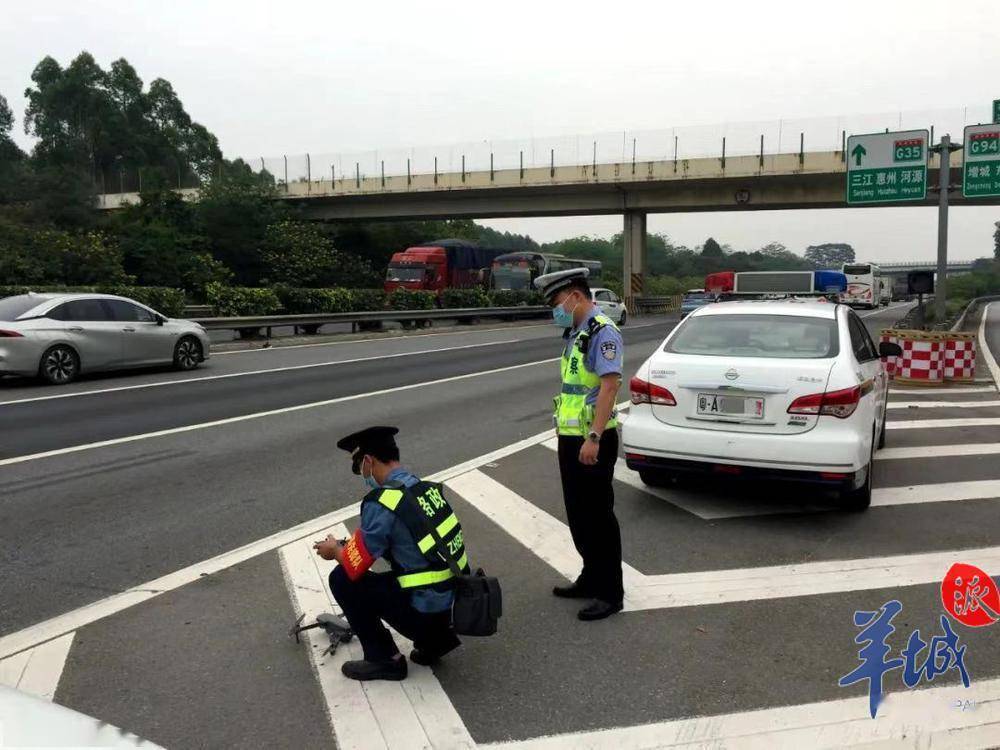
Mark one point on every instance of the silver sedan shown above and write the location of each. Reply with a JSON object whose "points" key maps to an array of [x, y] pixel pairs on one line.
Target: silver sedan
{"points": [[58, 336]]}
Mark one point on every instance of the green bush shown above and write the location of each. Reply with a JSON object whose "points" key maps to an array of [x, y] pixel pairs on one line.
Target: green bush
{"points": [[366, 300], [515, 297], [460, 298], [237, 301], [163, 299], [412, 299], [298, 301]]}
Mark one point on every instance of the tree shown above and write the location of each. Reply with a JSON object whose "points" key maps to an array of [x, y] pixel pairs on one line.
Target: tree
{"points": [[712, 249], [11, 158], [301, 255], [830, 254], [232, 213], [996, 241], [104, 123]]}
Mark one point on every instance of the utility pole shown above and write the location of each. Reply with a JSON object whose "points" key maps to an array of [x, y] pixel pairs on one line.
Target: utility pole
{"points": [[943, 149]]}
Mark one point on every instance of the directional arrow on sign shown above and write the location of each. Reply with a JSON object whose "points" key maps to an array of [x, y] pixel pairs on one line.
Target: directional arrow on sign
{"points": [[857, 153]]}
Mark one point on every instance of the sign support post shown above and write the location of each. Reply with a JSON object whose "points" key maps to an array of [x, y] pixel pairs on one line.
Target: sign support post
{"points": [[944, 149]]}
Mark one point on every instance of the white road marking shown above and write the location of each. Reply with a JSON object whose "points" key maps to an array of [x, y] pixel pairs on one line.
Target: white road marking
{"points": [[541, 533], [935, 451], [704, 506], [47, 630], [936, 493], [884, 309], [985, 351], [912, 719], [943, 391], [268, 371], [923, 424], [804, 579], [941, 404], [261, 414], [37, 670], [711, 507], [413, 713]]}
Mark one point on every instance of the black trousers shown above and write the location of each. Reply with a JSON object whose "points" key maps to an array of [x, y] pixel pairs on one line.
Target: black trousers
{"points": [[375, 597], [590, 509]]}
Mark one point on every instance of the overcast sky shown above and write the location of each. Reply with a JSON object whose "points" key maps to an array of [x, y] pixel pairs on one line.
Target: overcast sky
{"points": [[273, 78]]}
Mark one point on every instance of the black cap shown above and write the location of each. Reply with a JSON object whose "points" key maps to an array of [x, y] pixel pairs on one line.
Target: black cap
{"points": [[366, 441]]}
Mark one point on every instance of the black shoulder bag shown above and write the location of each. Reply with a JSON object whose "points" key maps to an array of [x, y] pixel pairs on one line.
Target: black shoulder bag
{"points": [[478, 601]]}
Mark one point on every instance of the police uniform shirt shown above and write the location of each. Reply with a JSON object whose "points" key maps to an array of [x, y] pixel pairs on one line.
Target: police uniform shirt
{"points": [[384, 532], [604, 354]]}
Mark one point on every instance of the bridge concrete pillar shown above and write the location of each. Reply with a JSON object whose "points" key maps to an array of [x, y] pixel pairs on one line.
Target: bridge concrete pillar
{"points": [[635, 258]]}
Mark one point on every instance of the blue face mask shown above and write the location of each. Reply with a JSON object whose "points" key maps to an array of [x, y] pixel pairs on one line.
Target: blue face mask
{"points": [[369, 480], [562, 318]]}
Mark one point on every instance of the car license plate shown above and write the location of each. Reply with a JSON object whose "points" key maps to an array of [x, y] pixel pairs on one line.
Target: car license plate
{"points": [[710, 404]]}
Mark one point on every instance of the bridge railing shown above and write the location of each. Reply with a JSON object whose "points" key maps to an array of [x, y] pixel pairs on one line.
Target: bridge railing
{"points": [[719, 140]]}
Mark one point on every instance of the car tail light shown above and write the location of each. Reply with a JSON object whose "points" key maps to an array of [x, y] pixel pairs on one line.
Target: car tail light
{"points": [[10, 334], [840, 404], [727, 469], [832, 475], [643, 392]]}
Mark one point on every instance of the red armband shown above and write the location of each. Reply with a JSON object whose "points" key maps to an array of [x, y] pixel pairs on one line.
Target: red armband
{"points": [[355, 558]]}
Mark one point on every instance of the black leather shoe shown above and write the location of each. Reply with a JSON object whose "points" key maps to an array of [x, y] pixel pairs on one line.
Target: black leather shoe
{"points": [[598, 610], [394, 669], [427, 658], [573, 591]]}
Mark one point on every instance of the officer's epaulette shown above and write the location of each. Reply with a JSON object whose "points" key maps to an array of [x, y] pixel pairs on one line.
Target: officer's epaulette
{"points": [[594, 325]]}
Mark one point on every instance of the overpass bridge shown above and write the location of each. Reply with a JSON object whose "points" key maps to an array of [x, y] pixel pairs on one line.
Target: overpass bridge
{"points": [[752, 180]]}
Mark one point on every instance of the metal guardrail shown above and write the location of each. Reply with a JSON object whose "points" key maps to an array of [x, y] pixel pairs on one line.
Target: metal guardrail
{"points": [[647, 305], [973, 304], [314, 321]]}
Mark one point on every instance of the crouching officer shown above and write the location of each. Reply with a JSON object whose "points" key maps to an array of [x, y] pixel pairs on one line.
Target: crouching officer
{"points": [[586, 424], [408, 522]]}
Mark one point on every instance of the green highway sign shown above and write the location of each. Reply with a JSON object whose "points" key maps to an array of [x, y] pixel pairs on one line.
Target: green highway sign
{"points": [[981, 161], [887, 167]]}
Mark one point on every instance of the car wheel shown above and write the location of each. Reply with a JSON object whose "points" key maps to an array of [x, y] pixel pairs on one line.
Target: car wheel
{"points": [[655, 477], [621, 320], [861, 498], [187, 353], [59, 365]]}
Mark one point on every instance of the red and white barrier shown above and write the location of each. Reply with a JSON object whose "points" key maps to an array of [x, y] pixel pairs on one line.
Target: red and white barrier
{"points": [[922, 361], [891, 363], [960, 356]]}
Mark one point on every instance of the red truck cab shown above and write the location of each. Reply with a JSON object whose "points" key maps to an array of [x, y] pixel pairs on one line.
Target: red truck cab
{"points": [[418, 268], [441, 264]]}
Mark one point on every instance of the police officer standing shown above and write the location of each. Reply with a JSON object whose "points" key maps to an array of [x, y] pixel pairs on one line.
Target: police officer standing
{"points": [[409, 523], [586, 424]]}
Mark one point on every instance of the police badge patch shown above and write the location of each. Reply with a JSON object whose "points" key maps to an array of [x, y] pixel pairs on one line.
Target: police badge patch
{"points": [[609, 350]]}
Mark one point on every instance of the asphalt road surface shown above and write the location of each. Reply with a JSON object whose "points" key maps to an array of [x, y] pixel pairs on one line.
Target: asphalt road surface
{"points": [[737, 601]]}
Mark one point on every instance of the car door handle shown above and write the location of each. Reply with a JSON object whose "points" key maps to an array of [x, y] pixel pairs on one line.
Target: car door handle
{"points": [[129, 330], [75, 329]]}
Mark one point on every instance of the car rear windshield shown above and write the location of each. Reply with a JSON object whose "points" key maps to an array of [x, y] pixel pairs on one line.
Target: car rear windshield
{"points": [[777, 336], [11, 308]]}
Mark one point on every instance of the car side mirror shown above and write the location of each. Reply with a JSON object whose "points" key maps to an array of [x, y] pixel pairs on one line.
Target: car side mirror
{"points": [[160, 320], [889, 349]]}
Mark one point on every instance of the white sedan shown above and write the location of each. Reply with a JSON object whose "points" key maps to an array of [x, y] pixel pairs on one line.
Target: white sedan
{"points": [[610, 304], [785, 389]]}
